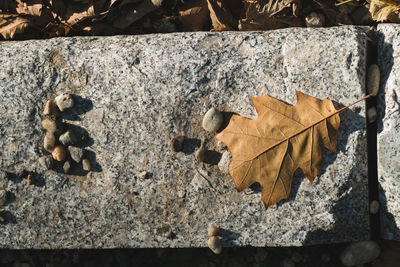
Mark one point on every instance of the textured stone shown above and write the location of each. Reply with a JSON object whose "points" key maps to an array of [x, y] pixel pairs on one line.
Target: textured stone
{"points": [[132, 98], [224, 162], [388, 130]]}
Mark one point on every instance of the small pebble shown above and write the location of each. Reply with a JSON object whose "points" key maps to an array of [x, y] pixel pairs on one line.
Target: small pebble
{"points": [[374, 207], [30, 180], [224, 162], [176, 143], [3, 197], [49, 125], [49, 141], [143, 175], [360, 253], [315, 19], [212, 120], [372, 114], [51, 109], [2, 219], [86, 165], [46, 162], [76, 153], [64, 101], [214, 243], [59, 153], [288, 263], [68, 138], [297, 257], [200, 154], [373, 79], [66, 166], [213, 231]]}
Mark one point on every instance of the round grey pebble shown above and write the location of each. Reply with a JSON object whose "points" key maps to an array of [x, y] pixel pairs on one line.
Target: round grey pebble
{"points": [[224, 162], [315, 19], [374, 207], [212, 120], [46, 162], [360, 253], [68, 138], [3, 197], [86, 165], [64, 101], [67, 167], [76, 153]]}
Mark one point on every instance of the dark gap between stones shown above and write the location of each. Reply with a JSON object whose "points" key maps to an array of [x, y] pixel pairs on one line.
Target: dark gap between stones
{"points": [[373, 183]]}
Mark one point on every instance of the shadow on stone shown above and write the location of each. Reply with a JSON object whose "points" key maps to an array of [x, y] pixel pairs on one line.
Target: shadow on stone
{"points": [[390, 229], [82, 105], [8, 217], [84, 140], [350, 219], [212, 157], [190, 145], [38, 179], [229, 237]]}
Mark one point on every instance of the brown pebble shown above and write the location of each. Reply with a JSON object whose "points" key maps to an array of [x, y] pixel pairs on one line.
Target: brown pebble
{"points": [[86, 165], [49, 141], [200, 154], [30, 179], [59, 153], [214, 243], [176, 143], [143, 175], [51, 109], [66, 166], [2, 219], [214, 231], [50, 125]]}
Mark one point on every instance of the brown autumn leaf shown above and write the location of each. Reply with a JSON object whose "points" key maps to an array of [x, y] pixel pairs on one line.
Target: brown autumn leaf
{"points": [[283, 138], [193, 14], [270, 14], [11, 26], [220, 15], [385, 10], [29, 7]]}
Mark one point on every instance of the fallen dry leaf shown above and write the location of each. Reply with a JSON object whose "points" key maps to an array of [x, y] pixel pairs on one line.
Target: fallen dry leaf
{"points": [[29, 7], [385, 10], [270, 14], [193, 14], [283, 138], [220, 15], [13, 26]]}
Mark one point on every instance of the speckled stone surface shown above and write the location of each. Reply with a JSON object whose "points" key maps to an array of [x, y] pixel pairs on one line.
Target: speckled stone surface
{"points": [[135, 94], [388, 130]]}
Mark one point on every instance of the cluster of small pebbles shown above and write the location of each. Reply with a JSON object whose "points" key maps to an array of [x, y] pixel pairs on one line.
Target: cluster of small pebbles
{"points": [[59, 141]]}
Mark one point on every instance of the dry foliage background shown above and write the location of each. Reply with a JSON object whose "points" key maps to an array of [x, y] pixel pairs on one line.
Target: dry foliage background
{"points": [[27, 19]]}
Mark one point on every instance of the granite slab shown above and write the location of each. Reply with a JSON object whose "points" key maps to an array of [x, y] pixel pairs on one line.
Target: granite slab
{"points": [[133, 95], [388, 130]]}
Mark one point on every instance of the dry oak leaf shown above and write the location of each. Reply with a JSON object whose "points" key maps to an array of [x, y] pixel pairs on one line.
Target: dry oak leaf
{"points": [[283, 138], [385, 10], [12, 26]]}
